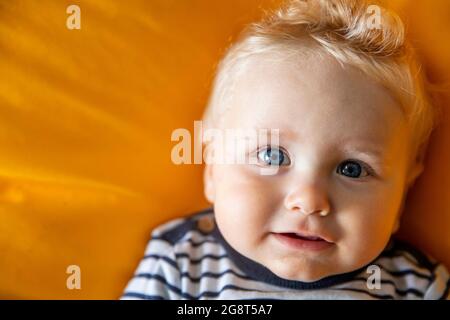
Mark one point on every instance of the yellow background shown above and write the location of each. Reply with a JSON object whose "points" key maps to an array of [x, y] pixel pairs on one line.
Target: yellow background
{"points": [[86, 118]]}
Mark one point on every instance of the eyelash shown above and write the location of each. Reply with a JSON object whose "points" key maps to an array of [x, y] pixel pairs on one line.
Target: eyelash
{"points": [[365, 166]]}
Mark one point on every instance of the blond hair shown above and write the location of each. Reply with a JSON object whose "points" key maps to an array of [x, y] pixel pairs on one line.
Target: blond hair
{"points": [[342, 29]]}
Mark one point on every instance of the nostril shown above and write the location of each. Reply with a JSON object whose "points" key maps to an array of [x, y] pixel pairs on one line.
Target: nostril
{"points": [[322, 213]]}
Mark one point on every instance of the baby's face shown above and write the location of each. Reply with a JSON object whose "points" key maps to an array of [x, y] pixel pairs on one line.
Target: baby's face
{"points": [[343, 161]]}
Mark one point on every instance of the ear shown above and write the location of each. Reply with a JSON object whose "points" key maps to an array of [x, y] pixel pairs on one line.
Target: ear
{"points": [[417, 165], [209, 188], [414, 172], [399, 214], [397, 224]]}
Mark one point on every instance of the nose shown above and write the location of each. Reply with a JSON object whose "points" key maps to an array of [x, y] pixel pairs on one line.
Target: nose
{"points": [[308, 199]]}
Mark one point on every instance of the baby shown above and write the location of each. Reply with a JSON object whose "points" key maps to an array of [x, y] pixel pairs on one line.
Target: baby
{"points": [[340, 87]]}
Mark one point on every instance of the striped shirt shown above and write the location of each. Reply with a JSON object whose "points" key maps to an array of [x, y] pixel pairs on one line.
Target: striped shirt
{"points": [[188, 258]]}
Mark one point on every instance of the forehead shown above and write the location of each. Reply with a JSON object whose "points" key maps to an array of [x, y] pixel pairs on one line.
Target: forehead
{"points": [[316, 97]]}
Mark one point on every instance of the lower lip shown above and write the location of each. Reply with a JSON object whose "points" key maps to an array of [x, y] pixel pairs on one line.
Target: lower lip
{"points": [[297, 243]]}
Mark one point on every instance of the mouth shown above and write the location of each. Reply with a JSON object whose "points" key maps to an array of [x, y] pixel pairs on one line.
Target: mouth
{"points": [[302, 241]]}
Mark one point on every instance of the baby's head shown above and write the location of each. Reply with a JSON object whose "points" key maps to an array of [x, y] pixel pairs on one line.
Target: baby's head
{"points": [[353, 117]]}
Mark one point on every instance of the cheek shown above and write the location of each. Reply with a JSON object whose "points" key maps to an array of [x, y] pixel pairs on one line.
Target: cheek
{"points": [[366, 223], [244, 202]]}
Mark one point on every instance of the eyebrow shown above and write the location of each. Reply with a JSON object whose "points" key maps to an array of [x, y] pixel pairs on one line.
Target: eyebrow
{"points": [[283, 132], [373, 153]]}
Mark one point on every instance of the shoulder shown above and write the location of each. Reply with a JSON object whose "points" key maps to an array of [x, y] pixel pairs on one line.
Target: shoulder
{"points": [[411, 273], [175, 247], [186, 241], [189, 241], [197, 225]]}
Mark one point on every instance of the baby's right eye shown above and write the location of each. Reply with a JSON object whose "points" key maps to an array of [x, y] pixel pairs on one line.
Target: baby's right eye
{"points": [[272, 156]]}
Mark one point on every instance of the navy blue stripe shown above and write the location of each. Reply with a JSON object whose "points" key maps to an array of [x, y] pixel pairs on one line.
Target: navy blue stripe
{"points": [[198, 260], [212, 294], [142, 296], [164, 258], [185, 255], [203, 275], [398, 291], [215, 275], [175, 234], [168, 285], [378, 296], [197, 244], [402, 273], [209, 294]]}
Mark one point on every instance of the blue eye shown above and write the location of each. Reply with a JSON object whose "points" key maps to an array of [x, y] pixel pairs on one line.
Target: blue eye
{"points": [[351, 169], [273, 157]]}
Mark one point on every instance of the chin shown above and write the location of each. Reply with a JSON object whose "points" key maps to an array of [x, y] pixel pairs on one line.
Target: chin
{"points": [[299, 272]]}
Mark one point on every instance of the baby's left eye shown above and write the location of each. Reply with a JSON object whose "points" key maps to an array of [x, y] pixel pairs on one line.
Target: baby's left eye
{"points": [[272, 156], [352, 169]]}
